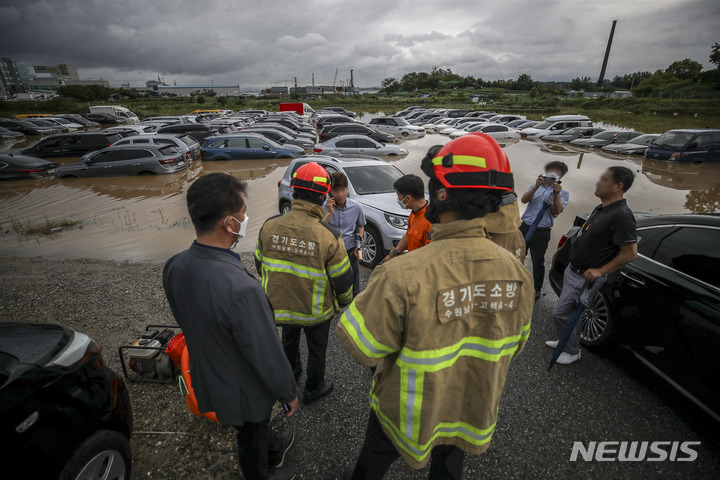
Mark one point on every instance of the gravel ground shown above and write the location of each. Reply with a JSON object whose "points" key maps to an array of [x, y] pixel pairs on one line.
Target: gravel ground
{"points": [[600, 398]]}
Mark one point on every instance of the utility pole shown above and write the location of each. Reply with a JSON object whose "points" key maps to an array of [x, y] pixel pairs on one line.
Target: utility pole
{"points": [[352, 80], [295, 82], [313, 79], [601, 79]]}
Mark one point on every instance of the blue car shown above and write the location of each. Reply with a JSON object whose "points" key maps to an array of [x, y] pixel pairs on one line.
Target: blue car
{"points": [[246, 146], [686, 146]]}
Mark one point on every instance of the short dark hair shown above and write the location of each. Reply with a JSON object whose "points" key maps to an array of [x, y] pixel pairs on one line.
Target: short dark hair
{"points": [[557, 165], [623, 175], [308, 196], [410, 185], [212, 197], [339, 180]]}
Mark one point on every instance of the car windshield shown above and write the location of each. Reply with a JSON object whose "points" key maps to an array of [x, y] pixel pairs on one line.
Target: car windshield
{"points": [[370, 179], [674, 139], [187, 140], [401, 121], [642, 140], [605, 135]]}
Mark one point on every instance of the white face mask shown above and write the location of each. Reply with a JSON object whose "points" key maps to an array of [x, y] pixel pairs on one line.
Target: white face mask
{"points": [[241, 231], [401, 203]]}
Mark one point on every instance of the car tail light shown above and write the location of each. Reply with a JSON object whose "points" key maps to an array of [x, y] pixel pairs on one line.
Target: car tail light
{"points": [[280, 182], [187, 155], [317, 150], [33, 170], [169, 161], [674, 157], [202, 154], [562, 241]]}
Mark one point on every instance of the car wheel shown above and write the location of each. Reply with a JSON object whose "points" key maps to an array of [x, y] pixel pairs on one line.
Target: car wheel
{"points": [[285, 207], [404, 134], [374, 251], [69, 176], [104, 455], [597, 327]]}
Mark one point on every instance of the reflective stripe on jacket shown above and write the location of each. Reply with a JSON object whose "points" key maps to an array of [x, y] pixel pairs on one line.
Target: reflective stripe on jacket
{"points": [[304, 266], [442, 324]]}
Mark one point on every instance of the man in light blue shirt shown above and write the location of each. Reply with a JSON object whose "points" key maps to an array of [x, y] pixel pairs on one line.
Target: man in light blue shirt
{"points": [[546, 199], [347, 216]]}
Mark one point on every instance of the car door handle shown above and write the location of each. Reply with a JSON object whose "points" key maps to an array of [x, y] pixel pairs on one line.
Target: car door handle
{"points": [[633, 279]]}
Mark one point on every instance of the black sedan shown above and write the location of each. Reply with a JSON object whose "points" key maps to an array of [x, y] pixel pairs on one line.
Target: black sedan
{"points": [[19, 167], [25, 127], [10, 136], [572, 133], [63, 413], [664, 307], [335, 130]]}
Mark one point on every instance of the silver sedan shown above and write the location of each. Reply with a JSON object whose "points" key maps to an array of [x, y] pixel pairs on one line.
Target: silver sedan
{"points": [[358, 145]]}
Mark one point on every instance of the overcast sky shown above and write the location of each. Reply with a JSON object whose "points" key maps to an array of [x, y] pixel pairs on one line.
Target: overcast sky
{"points": [[268, 42]]}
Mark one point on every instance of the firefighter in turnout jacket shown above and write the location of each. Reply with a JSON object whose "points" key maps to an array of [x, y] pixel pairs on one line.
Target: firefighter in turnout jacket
{"points": [[306, 274], [442, 323]]}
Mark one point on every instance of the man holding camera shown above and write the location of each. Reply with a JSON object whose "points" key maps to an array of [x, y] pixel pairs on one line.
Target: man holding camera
{"points": [[546, 200]]}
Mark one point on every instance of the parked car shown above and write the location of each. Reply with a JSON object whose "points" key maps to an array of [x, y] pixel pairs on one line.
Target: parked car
{"points": [[515, 123], [571, 134], [686, 146], [185, 144], [199, 131], [139, 129], [291, 124], [358, 145], [126, 160], [102, 118], [281, 138], [341, 111], [426, 117], [505, 118], [288, 131], [457, 112], [636, 146], [370, 183], [495, 131], [397, 126], [556, 123], [664, 307], [335, 130], [245, 147], [70, 124], [71, 145], [42, 122], [63, 413], [10, 135], [21, 167], [527, 124], [605, 138], [325, 120], [88, 124], [26, 127]]}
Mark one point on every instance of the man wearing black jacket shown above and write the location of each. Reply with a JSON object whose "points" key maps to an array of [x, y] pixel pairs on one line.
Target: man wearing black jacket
{"points": [[239, 369]]}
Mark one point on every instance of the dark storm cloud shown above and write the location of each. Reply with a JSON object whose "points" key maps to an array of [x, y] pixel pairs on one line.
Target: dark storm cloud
{"points": [[272, 41]]}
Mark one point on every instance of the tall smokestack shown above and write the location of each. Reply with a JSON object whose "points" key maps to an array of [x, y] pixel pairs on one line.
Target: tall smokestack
{"points": [[313, 79], [352, 80], [607, 55]]}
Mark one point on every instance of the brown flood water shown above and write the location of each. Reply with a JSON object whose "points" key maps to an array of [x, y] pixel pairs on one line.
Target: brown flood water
{"points": [[146, 219]]}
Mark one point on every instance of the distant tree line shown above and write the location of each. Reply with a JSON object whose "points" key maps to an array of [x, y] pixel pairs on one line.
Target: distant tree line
{"points": [[89, 93], [682, 74]]}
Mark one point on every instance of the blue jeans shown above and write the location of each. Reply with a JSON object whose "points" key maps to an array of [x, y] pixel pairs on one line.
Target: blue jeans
{"points": [[355, 265]]}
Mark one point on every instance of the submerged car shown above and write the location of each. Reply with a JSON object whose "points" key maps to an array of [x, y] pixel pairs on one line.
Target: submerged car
{"points": [[336, 130], [185, 144], [397, 126], [25, 127], [246, 147], [686, 146], [358, 145], [495, 131], [636, 146], [341, 111], [572, 133], [10, 135], [664, 306], [605, 138], [126, 160], [21, 167], [72, 145], [63, 413], [281, 138], [370, 182]]}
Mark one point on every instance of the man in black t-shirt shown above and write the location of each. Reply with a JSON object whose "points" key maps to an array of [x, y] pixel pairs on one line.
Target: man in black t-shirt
{"points": [[605, 243]]}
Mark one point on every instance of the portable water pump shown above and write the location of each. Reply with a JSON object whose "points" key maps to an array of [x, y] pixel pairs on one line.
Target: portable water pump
{"points": [[147, 358]]}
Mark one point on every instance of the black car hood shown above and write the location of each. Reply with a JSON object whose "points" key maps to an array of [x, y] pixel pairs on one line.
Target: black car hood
{"points": [[32, 344]]}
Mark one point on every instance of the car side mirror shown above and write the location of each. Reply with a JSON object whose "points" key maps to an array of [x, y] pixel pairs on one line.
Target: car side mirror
{"points": [[266, 147], [693, 146], [377, 146]]}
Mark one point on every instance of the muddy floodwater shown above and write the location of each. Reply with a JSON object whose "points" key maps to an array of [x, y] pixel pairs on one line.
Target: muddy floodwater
{"points": [[145, 218]]}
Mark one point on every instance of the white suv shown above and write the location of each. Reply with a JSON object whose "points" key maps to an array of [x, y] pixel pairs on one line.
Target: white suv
{"points": [[556, 124]]}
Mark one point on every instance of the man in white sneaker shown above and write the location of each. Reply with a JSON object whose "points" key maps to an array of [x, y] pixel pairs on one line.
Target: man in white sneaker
{"points": [[605, 243]]}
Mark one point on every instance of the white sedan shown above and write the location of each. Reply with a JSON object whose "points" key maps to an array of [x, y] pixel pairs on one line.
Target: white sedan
{"points": [[358, 145], [495, 131]]}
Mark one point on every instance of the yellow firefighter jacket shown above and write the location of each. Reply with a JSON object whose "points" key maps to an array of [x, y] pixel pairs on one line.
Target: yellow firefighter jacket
{"points": [[503, 228], [304, 266], [442, 324]]}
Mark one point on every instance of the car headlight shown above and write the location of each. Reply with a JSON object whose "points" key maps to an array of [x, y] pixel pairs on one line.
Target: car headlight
{"points": [[397, 221]]}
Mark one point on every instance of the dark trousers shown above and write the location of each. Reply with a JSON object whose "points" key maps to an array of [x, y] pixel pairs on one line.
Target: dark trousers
{"points": [[317, 340], [378, 453], [355, 265], [257, 444], [537, 246]]}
